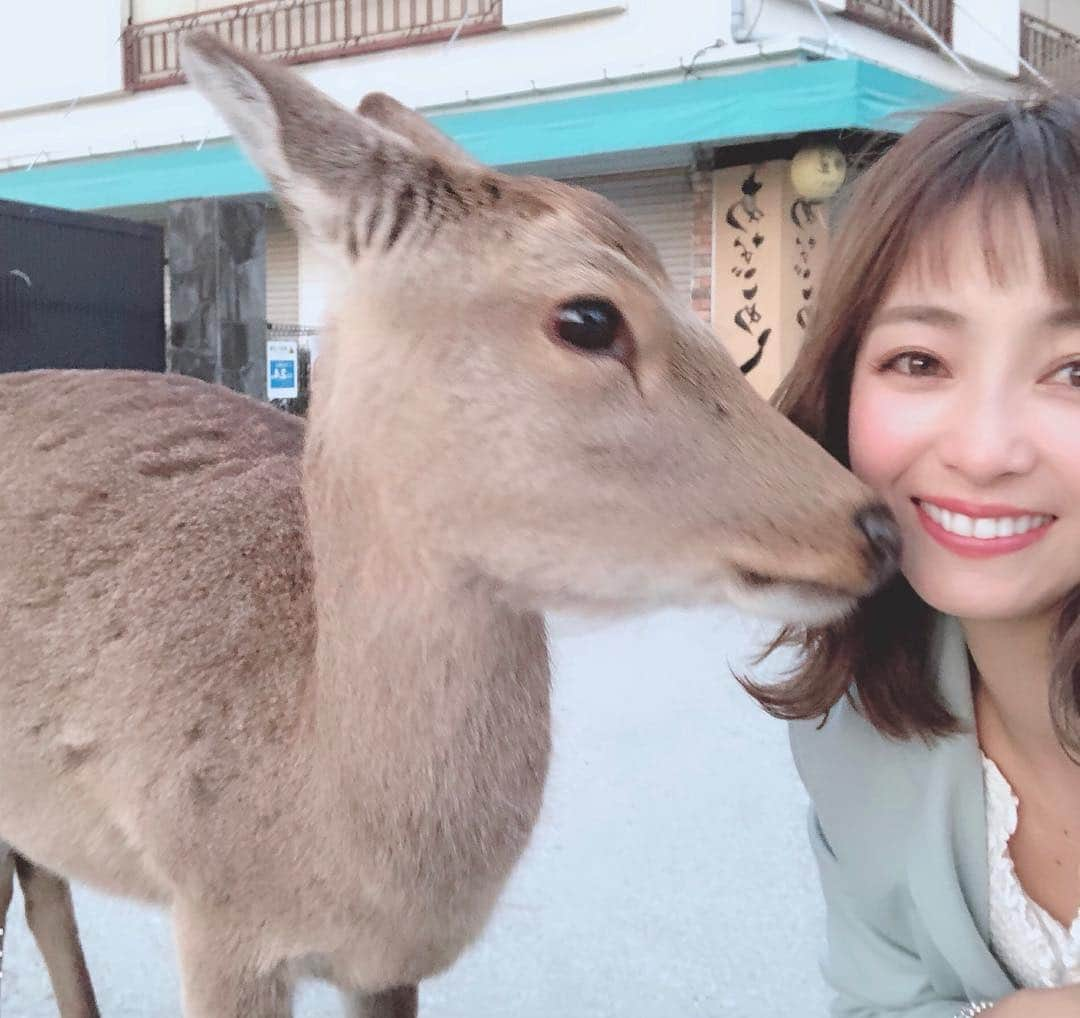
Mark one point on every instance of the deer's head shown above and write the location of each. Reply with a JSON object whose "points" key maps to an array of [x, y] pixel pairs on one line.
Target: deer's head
{"points": [[509, 367]]}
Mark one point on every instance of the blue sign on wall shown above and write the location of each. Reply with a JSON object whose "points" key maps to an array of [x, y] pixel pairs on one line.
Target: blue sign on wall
{"points": [[281, 370], [282, 375]]}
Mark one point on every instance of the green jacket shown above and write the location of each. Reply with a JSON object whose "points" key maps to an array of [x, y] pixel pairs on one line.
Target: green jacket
{"points": [[899, 833]]}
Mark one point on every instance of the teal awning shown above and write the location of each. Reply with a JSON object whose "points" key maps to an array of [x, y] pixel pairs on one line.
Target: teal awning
{"points": [[817, 95]]}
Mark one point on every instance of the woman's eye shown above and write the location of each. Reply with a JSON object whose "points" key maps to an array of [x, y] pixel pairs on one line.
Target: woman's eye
{"points": [[1068, 374], [915, 364]]}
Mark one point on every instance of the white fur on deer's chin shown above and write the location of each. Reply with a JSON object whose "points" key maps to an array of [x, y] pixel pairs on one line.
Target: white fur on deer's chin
{"points": [[788, 603], [791, 604]]}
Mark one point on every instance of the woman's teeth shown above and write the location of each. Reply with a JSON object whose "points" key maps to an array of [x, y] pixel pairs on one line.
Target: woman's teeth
{"points": [[983, 527]]}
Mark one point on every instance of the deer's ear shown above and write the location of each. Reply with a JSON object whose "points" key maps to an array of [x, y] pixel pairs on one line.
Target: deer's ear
{"points": [[345, 181], [409, 124]]}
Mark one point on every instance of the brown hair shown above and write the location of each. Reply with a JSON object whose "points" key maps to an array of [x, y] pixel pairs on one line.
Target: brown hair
{"points": [[992, 153]]}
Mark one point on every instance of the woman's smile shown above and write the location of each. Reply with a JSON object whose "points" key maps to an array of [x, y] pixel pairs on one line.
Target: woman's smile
{"points": [[981, 531]]}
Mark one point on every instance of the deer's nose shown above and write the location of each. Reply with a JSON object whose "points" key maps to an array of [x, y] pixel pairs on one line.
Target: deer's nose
{"points": [[879, 525]]}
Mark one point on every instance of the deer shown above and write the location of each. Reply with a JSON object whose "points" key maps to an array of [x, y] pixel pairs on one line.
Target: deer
{"points": [[290, 680]]}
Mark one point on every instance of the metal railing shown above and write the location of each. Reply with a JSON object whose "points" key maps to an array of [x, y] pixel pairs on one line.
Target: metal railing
{"points": [[299, 31], [890, 17], [1052, 51]]}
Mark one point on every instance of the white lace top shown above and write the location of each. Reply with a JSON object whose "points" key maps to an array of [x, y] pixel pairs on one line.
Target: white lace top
{"points": [[1036, 950]]}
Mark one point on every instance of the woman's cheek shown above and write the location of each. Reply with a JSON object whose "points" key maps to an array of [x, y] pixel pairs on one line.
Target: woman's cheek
{"points": [[882, 432], [1056, 432]]}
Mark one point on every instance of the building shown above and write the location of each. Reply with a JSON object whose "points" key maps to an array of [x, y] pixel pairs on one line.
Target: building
{"points": [[687, 113]]}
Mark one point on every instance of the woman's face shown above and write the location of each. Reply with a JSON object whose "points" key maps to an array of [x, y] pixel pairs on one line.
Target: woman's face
{"points": [[965, 416]]}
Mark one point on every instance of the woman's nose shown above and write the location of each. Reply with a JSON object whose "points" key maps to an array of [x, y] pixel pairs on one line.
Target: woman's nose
{"points": [[987, 438]]}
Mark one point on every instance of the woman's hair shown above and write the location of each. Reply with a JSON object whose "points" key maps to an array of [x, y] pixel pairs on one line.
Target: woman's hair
{"points": [[993, 157]]}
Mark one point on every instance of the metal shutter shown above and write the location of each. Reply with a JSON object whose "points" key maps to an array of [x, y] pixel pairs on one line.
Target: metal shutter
{"points": [[282, 271], [661, 206]]}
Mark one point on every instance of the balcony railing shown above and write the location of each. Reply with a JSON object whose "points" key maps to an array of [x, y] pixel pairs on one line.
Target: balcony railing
{"points": [[299, 31], [1050, 50], [890, 17]]}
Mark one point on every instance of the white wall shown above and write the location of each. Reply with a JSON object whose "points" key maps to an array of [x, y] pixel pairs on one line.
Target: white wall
{"points": [[52, 52], [648, 39], [988, 33], [152, 10], [520, 13], [515, 12], [1063, 13], [797, 18], [651, 41]]}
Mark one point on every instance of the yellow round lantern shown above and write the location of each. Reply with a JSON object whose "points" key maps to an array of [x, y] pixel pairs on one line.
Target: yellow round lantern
{"points": [[818, 172]]}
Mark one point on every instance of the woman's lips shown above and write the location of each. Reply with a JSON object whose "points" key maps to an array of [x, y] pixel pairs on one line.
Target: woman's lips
{"points": [[942, 518]]}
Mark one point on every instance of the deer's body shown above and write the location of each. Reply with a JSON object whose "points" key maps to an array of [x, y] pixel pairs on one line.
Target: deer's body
{"points": [[178, 741], [293, 683]]}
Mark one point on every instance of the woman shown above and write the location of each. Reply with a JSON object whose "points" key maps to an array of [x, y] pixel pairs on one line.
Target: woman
{"points": [[943, 366]]}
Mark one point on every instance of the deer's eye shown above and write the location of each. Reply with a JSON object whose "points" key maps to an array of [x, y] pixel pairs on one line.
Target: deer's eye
{"points": [[594, 326]]}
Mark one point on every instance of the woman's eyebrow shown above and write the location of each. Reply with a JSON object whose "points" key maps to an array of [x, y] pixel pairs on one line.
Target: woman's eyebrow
{"points": [[925, 314], [1067, 317]]}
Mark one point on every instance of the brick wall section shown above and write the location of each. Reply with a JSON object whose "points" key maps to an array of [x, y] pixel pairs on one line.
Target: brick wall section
{"points": [[701, 182]]}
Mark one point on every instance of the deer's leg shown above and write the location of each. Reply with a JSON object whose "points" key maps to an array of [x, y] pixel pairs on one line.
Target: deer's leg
{"points": [[400, 1002], [219, 973], [7, 889], [51, 918]]}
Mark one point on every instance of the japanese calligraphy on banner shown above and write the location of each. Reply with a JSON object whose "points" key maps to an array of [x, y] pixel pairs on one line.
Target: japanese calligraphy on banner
{"points": [[768, 249]]}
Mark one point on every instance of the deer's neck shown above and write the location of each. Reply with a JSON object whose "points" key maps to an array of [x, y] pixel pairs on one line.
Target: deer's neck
{"points": [[430, 696]]}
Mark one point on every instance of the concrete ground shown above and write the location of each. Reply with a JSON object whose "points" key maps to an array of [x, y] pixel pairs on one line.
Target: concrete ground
{"points": [[669, 876]]}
